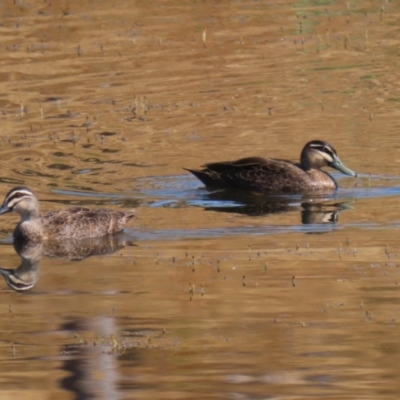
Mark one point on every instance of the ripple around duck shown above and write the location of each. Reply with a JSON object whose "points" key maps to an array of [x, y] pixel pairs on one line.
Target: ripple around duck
{"points": [[11, 181], [184, 187], [186, 234], [61, 167], [30, 172], [160, 191], [310, 214]]}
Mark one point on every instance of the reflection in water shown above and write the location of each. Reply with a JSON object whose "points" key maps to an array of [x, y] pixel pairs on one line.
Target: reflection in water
{"points": [[27, 274], [321, 213], [92, 369], [76, 250], [319, 210], [95, 366], [222, 80]]}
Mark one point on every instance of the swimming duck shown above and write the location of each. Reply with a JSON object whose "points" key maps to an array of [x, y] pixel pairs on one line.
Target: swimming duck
{"points": [[277, 176], [74, 223]]}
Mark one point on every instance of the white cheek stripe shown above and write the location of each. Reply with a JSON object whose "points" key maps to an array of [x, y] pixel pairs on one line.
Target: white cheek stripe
{"points": [[13, 202], [327, 157]]}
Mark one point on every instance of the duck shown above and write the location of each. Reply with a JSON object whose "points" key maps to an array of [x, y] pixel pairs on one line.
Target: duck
{"points": [[71, 223], [276, 176]]}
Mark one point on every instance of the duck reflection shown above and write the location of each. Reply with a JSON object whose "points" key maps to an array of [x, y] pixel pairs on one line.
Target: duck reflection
{"points": [[313, 210], [26, 276], [321, 213]]}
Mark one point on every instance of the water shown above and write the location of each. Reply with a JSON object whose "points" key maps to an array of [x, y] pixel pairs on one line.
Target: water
{"points": [[205, 295]]}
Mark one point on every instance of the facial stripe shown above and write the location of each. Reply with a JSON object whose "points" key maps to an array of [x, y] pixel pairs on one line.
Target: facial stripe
{"points": [[14, 197], [18, 284], [324, 149]]}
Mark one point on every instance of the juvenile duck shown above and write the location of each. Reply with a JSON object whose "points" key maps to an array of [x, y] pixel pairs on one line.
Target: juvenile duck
{"points": [[278, 176], [75, 223]]}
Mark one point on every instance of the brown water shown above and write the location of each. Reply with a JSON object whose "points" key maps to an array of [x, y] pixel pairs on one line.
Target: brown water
{"points": [[102, 104]]}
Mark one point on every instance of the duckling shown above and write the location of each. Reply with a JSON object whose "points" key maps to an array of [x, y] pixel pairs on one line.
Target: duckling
{"points": [[278, 176], [72, 223]]}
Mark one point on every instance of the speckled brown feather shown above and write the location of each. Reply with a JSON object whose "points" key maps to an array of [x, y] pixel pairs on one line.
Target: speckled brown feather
{"points": [[79, 222], [72, 223], [76, 223]]}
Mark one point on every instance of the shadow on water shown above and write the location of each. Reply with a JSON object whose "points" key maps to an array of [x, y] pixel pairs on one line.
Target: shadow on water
{"points": [[26, 276]]}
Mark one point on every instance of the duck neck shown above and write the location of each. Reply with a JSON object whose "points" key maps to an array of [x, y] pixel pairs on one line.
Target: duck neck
{"points": [[29, 215], [305, 162], [29, 227], [310, 160]]}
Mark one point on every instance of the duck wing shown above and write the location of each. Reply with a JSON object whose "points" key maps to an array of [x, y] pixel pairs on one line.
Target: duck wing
{"points": [[80, 222], [255, 173]]}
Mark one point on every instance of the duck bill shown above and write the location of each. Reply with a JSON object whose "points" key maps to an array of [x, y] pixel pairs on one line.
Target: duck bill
{"points": [[337, 164], [4, 209]]}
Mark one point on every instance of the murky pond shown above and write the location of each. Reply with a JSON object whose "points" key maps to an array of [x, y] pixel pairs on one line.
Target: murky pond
{"points": [[204, 295]]}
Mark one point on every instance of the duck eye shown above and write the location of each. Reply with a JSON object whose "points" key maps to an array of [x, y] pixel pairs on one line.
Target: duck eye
{"points": [[328, 150], [17, 195]]}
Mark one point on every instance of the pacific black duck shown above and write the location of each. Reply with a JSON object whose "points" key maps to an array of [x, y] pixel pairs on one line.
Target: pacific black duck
{"points": [[72, 223], [277, 176]]}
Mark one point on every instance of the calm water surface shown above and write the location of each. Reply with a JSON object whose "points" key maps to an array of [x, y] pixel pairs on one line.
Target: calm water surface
{"points": [[205, 295]]}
